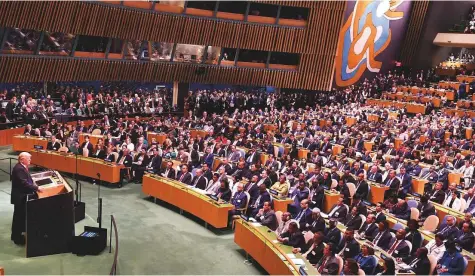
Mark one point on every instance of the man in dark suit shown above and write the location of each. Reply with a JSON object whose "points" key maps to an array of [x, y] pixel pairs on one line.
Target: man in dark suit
{"points": [[22, 186], [263, 197], [406, 185], [298, 195], [378, 213], [466, 238], [169, 171], [353, 220], [304, 215], [328, 264], [338, 211], [420, 264], [362, 187], [208, 158], [252, 157], [239, 201], [316, 222], [375, 176], [425, 208], [86, 145], [266, 216], [383, 238], [470, 201], [207, 172], [449, 230], [332, 234], [437, 194], [293, 237], [155, 163], [126, 160], [348, 247], [199, 181], [184, 176], [369, 228], [53, 144], [401, 210], [313, 250], [109, 156], [393, 183], [399, 248]]}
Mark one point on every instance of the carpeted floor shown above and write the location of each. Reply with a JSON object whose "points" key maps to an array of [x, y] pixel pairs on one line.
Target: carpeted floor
{"points": [[153, 238]]}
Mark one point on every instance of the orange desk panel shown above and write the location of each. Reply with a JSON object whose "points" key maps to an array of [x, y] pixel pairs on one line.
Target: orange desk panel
{"points": [[181, 196], [330, 200], [159, 137], [303, 153], [92, 138], [281, 204], [377, 193], [6, 135], [418, 185], [27, 143]]}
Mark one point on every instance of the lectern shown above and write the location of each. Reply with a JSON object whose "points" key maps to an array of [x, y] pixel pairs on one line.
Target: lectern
{"points": [[49, 216]]}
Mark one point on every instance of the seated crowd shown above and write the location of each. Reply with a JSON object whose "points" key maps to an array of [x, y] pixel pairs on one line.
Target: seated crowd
{"points": [[238, 139]]}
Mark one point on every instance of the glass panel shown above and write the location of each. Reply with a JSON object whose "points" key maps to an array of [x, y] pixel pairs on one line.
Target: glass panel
{"points": [[132, 49], [189, 53], [263, 10], [21, 41], [229, 54], [202, 5], [117, 46], [294, 13], [284, 58], [161, 51], [252, 56], [233, 6], [57, 43], [213, 55], [95, 44]]}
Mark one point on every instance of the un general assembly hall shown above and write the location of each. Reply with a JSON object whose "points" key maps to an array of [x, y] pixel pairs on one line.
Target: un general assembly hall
{"points": [[237, 137]]}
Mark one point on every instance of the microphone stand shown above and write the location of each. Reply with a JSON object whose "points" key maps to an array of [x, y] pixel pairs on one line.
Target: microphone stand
{"points": [[99, 199]]}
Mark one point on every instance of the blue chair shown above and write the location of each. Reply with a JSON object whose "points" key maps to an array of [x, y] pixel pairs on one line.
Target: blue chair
{"points": [[398, 226], [412, 203]]}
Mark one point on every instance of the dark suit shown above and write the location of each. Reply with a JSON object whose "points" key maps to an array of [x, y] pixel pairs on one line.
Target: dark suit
{"points": [[330, 265], [316, 253], [401, 250], [268, 219], [415, 238], [295, 240], [22, 185], [338, 212], [304, 216], [382, 239], [380, 217], [350, 248], [109, 158], [54, 146], [353, 223], [259, 203], [314, 225], [170, 174], [239, 201], [369, 231], [437, 196], [393, 187], [449, 231], [199, 182], [425, 210], [466, 240], [420, 266], [89, 147], [185, 178], [333, 235], [155, 163], [362, 189]]}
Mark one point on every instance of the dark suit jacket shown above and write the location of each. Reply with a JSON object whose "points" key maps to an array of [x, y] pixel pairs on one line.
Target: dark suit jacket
{"points": [[333, 236], [370, 231], [296, 240], [394, 186], [340, 212], [305, 218], [54, 146], [89, 147], [383, 239], [402, 250], [314, 225], [171, 173], [268, 219], [466, 241], [156, 163], [352, 248], [425, 210], [421, 267], [109, 158], [255, 158], [22, 184], [331, 266], [437, 197], [380, 217], [187, 178], [315, 254], [127, 161], [199, 182], [362, 190], [415, 238], [353, 223]]}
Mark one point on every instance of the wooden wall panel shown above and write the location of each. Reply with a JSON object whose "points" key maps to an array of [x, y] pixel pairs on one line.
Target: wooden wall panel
{"points": [[414, 30], [317, 43]]}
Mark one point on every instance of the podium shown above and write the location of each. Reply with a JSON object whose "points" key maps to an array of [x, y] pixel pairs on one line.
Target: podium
{"points": [[49, 216]]}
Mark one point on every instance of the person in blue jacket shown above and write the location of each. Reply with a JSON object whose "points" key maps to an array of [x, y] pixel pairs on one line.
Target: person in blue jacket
{"points": [[452, 262]]}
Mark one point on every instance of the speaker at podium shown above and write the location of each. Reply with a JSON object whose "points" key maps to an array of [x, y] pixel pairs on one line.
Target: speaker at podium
{"points": [[49, 216]]}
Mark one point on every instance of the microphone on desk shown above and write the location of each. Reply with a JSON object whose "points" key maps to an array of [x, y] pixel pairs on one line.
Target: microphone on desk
{"points": [[99, 175]]}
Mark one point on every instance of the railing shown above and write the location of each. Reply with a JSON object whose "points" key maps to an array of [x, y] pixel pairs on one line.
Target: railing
{"points": [[116, 253]]}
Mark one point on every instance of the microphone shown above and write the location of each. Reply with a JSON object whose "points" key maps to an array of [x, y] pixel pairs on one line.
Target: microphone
{"points": [[99, 175]]}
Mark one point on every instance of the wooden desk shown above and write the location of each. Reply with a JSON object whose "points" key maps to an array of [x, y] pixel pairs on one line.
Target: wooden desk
{"points": [[28, 143], [196, 132], [86, 166], [368, 145], [6, 135], [159, 137], [465, 78], [263, 158], [454, 177], [89, 167], [337, 149], [258, 242], [281, 204], [350, 121], [187, 199], [397, 143], [270, 127], [468, 133], [216, 163], [418, 185], [303, 153], [373, 117], [330, 200], [377, 193], [411, 107]]}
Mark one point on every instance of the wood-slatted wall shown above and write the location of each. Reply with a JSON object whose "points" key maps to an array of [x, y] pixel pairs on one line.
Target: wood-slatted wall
{"points": [[317, 42], [414, 29]]}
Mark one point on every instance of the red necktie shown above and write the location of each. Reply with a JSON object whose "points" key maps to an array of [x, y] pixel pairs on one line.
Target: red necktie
{"points": [[320, 269], [390, 251]]}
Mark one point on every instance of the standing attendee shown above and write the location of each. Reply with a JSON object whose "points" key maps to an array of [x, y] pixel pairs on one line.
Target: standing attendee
{"points": [[22, 186]]}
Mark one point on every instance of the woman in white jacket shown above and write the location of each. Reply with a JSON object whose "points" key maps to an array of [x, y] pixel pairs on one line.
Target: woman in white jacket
{"points": [[453, 202], [467, 171]]}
